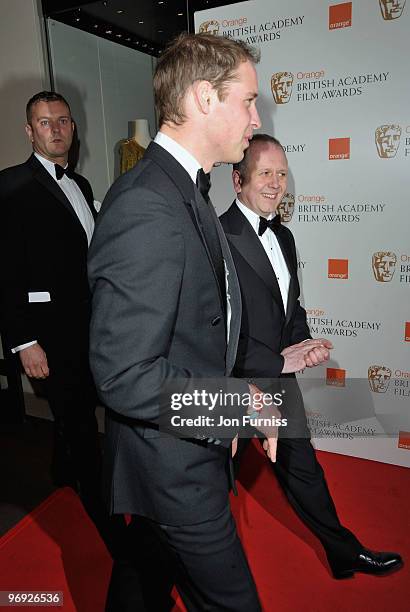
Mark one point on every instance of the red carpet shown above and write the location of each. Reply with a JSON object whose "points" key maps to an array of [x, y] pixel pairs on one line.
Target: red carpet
{"points": [[287, 561], [58, 548]]}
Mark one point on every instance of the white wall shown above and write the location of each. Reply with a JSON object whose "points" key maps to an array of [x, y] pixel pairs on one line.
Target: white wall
{"points": [[23, 72], [106, 85]]}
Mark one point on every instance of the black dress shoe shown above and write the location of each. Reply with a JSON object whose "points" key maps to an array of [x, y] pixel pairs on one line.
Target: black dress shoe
{"points": [[368, 562]]}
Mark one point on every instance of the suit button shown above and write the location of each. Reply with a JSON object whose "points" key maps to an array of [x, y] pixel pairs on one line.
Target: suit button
{"points": [[216, 320]]}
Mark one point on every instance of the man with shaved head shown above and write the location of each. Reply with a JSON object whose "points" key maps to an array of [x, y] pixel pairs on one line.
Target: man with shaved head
{"points": [[275, 342]]}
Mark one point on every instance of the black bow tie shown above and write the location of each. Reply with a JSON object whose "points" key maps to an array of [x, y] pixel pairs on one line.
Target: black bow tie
{"points": [[60, 172], [272, 224], [203, 183]]}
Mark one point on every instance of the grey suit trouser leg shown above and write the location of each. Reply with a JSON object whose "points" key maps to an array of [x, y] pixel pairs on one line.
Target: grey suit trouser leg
{"points": [[211, 570]]}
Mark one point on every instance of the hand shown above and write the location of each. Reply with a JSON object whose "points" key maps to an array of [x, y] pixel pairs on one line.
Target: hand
{"points": [[305, 354], [267, 412], [234, 447], [34, 361], [270, 445], [317, 354]]}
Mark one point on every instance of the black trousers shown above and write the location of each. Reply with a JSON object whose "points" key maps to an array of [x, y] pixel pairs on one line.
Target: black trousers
{"points": [[205, 561], [76, 460], [72, 398], [303, 481]]}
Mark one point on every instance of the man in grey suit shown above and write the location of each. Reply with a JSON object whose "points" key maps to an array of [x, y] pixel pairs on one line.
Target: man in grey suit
{"points": [[158, 266]]}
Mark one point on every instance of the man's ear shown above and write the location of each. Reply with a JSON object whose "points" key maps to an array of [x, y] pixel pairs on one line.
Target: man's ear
{"points": [[29, 132], [237, 181], [203, 95]]}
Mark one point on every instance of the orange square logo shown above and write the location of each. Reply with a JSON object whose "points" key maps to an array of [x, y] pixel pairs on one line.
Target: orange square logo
{"points": [[338, 268], [340, 16], [339, 148], [407, 331], [335, 377], [404, 440]]}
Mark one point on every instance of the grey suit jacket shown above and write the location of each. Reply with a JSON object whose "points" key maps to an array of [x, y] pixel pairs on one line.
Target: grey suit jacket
{"points": [[158, 317]]}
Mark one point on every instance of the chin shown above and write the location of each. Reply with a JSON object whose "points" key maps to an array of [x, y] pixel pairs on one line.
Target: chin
{"points": [[234, 158]]}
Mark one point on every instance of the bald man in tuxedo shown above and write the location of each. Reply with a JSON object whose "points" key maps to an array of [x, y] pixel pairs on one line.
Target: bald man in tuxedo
{"points": [[275, 342]]}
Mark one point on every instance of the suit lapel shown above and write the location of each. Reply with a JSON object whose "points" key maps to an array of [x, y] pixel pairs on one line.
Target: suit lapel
{"points": [[293, 284], [43, 177], [243, 238], [192, 200], [234, 296], [190, 196]]}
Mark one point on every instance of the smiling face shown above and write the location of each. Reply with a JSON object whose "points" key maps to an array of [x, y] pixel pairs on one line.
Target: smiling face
{"points": [[265, 183], [51, 130], [234, 118]]}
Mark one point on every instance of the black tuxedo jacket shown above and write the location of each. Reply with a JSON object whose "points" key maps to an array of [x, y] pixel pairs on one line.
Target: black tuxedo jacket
{"points": [[158, 317], [43, 248], [267, 327]]}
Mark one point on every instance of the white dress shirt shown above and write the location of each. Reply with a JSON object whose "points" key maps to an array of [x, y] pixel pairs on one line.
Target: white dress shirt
{"points": [[74, 196], [192, 166], [272, 249], [80, 207]]}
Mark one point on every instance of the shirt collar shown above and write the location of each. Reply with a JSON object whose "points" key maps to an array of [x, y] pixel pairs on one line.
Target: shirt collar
{"points": [[48, 165], [251, 215], [182, 156]]}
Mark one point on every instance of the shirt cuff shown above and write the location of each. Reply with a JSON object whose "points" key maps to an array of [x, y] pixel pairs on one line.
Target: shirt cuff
{"points": [[20, 347]]}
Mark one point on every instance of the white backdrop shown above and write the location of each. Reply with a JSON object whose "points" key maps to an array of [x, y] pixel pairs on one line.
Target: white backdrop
{"points": [[339, 101]]}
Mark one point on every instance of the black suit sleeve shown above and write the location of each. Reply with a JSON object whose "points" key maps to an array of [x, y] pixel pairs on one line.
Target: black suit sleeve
{"points": [[300, 328], [16, 323], [255, 359]]}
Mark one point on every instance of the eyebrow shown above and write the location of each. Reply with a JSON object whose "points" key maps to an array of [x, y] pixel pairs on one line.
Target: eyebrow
{"points": [[251, 94], [48, 117], [269, 168]]}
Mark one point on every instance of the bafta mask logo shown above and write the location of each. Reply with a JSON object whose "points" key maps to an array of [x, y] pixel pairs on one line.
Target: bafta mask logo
{"points": [[209, 27], [379, 378], [384, 265], [281, 85], [286, 207], [391, 9], [387, 139]]}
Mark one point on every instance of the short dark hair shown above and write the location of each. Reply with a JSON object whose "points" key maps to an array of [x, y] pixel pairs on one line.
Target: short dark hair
{"points": [[243, 166], [196, 57], [44, 96]]}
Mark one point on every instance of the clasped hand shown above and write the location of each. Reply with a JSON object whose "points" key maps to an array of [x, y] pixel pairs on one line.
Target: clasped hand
{"points": [[306, 354], [309, 353]]}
